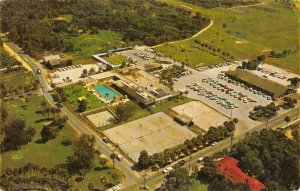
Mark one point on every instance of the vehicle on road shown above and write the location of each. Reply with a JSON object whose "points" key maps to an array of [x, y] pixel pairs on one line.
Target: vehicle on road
{"points": [[38, 71], [166, 170], [105, 139]]}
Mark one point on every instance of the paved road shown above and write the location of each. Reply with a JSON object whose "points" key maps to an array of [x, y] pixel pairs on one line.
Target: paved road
{"points": [[80, 126]]}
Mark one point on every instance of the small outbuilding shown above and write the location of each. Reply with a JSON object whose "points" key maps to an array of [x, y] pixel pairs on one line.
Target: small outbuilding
{"points": [[52, 61]]}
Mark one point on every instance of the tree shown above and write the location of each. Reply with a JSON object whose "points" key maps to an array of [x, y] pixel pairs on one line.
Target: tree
{"points": [[16, 134], [294, 81], [83, 153], [4, 113], [178, 179], [144, 160], [208, 172], [84, 73], [113, 156], [48, 133], [82, 105], [123, 111], [91, 186], [287, 119]]}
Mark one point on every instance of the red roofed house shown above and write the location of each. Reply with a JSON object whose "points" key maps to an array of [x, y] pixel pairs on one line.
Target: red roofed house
{"points": [[228, 167]]}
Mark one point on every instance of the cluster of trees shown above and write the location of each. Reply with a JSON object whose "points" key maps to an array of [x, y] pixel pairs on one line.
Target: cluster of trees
{"points": [[294, 81], [125, 110], [11, 65], [209, 175], [150, 22], [289, 102], [8, 62], [282, 54], [214, 49], [17, 90], [171, 72], [267, 111], [162, 159], [250, 65], [55, 178], [50, 131], [178, 180], [224, 3], [16, 133], [83, 154], [271, 157]]}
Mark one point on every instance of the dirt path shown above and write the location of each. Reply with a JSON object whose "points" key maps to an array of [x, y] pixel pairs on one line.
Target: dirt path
{"points": [[251, 5], [195, 35]]}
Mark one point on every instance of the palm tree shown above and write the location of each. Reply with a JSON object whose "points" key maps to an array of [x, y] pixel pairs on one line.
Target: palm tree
{"points": [[43, 104], [294, 81], [113, 156]]}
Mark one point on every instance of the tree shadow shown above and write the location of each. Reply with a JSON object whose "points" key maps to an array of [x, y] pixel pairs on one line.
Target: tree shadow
{"points": [[41, 141], [98, 168], [43, 120]]}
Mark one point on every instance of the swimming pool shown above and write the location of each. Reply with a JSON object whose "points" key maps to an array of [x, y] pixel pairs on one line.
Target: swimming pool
{"points": [[107, 92]]}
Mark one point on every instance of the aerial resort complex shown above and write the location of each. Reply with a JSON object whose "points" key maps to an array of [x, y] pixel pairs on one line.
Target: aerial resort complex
{"points": [[165, 95]]}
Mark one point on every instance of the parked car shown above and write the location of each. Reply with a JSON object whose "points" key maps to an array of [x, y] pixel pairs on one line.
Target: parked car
{"points": [[168, 169]]}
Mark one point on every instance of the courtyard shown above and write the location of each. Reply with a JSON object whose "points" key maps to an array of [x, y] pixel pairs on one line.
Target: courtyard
{"points": [[153, 133]]}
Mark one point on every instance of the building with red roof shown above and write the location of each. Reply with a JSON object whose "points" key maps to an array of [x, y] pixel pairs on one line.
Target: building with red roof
{"points": [[228, 168]]}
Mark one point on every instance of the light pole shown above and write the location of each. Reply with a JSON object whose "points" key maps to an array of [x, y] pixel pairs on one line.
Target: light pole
{"points": [[190, 164], [231, 140], [144, 176], [231, 114], [140, 131], [267, 122]]}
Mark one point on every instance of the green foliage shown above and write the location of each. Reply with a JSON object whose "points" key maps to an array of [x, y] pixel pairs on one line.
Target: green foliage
{"points": [[151, 22], [124, 111], [16, 134], [82, 105], [83, 154], [270, 156], [178, 179]]}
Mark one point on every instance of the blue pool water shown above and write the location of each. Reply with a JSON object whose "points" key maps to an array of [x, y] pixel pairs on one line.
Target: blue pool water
{"points": [[106, 92]]}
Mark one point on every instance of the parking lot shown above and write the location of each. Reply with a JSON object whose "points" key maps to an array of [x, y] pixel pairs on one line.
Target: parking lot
{"points": [[71, 73], [153, 133], [202, 115], [225, 95]]}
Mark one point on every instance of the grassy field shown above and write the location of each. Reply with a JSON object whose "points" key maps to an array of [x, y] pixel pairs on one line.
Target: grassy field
{"points": [[17, 78], [115, 59], [244, 36], [51, 153], [88, 44], [75, 91], [197, 186]]}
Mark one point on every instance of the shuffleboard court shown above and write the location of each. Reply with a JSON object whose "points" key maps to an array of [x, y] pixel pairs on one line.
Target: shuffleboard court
{"points": [[153, 133]]}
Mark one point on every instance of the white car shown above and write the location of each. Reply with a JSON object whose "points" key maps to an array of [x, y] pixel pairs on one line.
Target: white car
{"points": [[200, 160], [117, 188], [214, 143], [166, 170]]}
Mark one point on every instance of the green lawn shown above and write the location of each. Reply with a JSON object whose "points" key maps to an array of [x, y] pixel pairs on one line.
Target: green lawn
{"points": [[16, 78], [96, 173], [49, 154], [244, 36], [75, 91], [197, 186], [88, 44], [115, 59]]}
